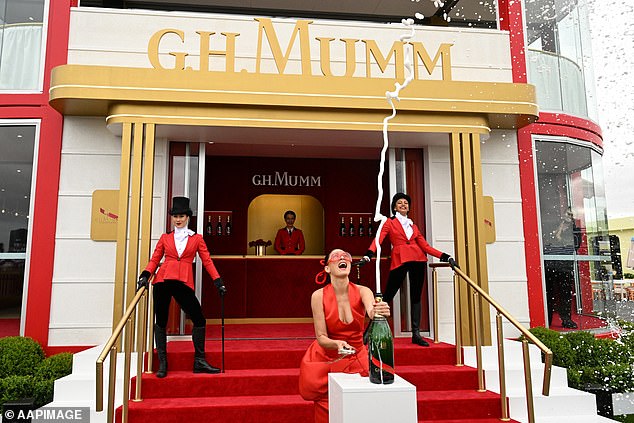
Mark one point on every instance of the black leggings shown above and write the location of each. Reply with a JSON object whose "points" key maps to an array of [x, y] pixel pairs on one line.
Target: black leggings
{"points": [[416, 270], [184, 296]]}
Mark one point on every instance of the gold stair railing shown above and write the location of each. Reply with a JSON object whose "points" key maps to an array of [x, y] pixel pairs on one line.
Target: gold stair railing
{"points": [[478, 293], [144, 335]]}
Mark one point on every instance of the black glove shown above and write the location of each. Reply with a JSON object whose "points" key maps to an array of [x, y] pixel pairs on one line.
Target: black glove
{"points": [[222, 290], [453, 263], [448, 259], [368, 255], [143, 280]]}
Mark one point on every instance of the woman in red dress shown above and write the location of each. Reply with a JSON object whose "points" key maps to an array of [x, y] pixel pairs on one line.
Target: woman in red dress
{"points": [[339, 311]]}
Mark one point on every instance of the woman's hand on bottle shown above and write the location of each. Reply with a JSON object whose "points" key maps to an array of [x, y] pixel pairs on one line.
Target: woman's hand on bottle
{"points": [[382, 308]]}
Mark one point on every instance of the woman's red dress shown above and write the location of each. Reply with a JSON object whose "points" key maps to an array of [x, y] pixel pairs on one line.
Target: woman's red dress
{"points": [[318, 362]]}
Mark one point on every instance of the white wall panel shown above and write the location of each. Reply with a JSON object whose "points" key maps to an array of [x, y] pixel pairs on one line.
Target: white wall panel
{"points": [[84, 260], [81, 174], [89, 135], [75, 221]]}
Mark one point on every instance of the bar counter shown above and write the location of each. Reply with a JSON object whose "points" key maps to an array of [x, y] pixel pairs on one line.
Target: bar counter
{"points": [[272, 286]]}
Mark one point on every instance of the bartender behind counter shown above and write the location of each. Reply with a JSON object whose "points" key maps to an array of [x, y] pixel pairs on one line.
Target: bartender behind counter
{"points": [[289, 240]]}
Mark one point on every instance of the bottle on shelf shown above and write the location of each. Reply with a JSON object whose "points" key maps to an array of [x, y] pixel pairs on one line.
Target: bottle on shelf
{"points": [[228, 226], [209, 227], [381, 350], [361, 230], [351, 230], [342, 228], [370, 230], [219, 226]]}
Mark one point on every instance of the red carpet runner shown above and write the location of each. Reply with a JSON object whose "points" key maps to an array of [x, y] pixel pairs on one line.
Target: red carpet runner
{"points": [[261, 385]]}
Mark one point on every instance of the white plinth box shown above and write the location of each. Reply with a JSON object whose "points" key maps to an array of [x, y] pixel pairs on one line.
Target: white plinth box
{"points": [[354, 399]]}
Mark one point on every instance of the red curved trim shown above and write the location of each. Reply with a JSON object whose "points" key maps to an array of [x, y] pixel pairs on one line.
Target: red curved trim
{"points": [[572, 126], [532, 251], [511, 20]]}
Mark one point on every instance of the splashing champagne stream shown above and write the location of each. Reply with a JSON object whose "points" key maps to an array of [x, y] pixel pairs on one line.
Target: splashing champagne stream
{"points": [[391, 96]]}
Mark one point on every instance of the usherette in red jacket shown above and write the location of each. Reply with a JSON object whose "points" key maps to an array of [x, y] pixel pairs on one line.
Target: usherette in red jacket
{"points": [[290, 244], [403, 250], [180, 268]]}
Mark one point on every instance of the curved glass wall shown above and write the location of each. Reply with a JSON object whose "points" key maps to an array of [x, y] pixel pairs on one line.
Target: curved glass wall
{"points": [[574, 229], [559, 56]]}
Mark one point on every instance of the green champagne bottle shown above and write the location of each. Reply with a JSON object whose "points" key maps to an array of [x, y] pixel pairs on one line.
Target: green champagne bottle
{"points": [[381, 350]]}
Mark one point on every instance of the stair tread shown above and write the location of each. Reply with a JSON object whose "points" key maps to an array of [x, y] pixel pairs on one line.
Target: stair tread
{"points": [[456, 394], [225, 401]]}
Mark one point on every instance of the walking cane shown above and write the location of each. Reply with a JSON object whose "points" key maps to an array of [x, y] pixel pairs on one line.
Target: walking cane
{"points": [[222, 329]]}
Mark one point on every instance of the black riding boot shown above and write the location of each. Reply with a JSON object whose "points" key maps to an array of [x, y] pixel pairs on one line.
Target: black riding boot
{"points": [[161, 349], [415, 315], [200, 364]]}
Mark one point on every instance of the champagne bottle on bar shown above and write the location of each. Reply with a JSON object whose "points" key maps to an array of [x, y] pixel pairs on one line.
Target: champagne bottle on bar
{"points": [[219, 226], [342, 228], [361, 227], [381, 350], [370, 228], [228, 226], [209, 227], [351, 231]]}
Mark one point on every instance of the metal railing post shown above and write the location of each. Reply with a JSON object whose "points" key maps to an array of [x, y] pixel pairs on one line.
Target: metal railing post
{"points": [[501, 367], [478, 340]]}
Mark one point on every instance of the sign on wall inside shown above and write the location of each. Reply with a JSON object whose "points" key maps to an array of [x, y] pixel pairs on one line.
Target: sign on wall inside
{"points": [[105, 215]]}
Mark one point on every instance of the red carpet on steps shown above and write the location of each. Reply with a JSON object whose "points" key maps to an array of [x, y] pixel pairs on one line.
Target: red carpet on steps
{"points": [[260, 383]]}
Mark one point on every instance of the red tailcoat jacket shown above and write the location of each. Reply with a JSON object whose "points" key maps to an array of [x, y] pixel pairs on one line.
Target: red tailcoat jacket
{"points": [[180, 268], [403, 250], [289, 244]]}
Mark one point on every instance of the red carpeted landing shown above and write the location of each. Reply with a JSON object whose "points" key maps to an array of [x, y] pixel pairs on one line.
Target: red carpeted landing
{"points": [[9, 327], [583, 321], [261, 382]]}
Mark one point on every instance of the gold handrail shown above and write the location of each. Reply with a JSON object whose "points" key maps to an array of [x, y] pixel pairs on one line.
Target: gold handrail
{"points": [[548, 355], [140, 302]]}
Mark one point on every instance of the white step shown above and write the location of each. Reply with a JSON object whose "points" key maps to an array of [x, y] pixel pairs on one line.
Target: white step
{"points": [[563, 404], [79, 388]]}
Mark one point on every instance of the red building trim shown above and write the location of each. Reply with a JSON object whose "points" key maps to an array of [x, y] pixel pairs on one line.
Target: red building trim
{"points": [[44, 218], [512, 20]]}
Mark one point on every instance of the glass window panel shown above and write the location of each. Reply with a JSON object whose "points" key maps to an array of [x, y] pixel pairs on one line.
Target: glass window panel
{"points": [[20, 44], [575, 242], [16, 168]]}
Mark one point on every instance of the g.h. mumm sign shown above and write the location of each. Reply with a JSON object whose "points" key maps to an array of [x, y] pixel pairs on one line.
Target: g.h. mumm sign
{"points": [[267, 35]]}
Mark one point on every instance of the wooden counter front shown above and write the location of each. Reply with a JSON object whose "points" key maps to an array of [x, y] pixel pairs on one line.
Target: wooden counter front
{"points": [[271, 286]]}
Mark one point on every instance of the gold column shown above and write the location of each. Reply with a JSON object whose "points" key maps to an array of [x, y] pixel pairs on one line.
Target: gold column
{"points": [[470, 246], [135, 211]]}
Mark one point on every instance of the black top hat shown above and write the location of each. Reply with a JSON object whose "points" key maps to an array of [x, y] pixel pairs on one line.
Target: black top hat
{"points": [[180, 205], [398, 196]]}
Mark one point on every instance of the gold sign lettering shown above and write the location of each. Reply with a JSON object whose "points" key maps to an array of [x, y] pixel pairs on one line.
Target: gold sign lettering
{"points": [[301, 28], [153, 49], [268, 36], [372, 50]]}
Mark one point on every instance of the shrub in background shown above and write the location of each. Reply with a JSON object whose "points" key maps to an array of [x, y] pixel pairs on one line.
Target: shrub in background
{"points": [[25, 373], [593, 363], [19, 356]]}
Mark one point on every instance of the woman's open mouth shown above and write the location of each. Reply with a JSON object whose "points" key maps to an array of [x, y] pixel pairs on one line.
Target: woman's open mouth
{"points": [[343, 265]]}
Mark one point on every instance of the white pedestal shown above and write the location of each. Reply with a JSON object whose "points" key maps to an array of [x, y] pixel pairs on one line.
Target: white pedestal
{"points": [[354, 399]]}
